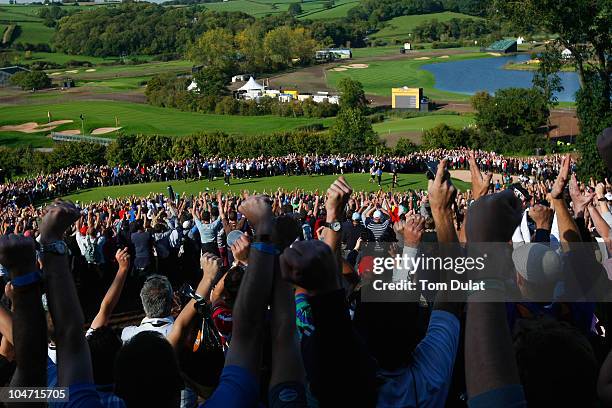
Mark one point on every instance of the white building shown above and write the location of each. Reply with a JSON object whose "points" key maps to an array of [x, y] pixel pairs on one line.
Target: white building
{"points": [[193, 86], [252, 89], [520, 40], [566, 54], [242, 77]]}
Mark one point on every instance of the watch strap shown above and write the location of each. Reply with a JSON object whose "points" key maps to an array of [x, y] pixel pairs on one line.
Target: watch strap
{"points": [[265, 247], [27, 279]]}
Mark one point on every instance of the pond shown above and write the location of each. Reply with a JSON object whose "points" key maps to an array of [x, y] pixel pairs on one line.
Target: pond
{"points": [[488, 74]]}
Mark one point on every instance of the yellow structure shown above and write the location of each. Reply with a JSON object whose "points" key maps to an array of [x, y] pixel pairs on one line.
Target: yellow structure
{"points": [[406, 98], [293, 93]]}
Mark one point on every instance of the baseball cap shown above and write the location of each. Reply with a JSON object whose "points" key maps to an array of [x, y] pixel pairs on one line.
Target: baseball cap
{"points": [[377, 214], [609, 196], [536, 262], [233, 236], [365, 265], [186, 224], [356, 216]]}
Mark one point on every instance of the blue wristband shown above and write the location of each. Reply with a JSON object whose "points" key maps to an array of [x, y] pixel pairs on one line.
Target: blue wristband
{"points": [[27, 279], [265, 248]]}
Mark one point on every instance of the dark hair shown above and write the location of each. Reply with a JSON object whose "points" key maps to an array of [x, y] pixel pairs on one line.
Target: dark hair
{"points": [[556, 364], [205, 216], [232, 216], [214, 212], [231, 284], [147, 372], [104, 345]]}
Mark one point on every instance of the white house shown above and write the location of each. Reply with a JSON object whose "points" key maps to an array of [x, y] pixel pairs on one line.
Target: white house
{"points": [[520, 40], [304, 97], [566, 54]]}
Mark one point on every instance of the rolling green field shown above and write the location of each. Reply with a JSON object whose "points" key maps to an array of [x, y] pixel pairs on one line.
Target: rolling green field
{"points": [[401, 27], [421, 123], [137, 118], [381, 76], [359, 182], [259, 8]]}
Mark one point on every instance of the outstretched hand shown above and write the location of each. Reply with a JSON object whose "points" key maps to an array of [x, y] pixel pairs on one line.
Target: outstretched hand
{"points": [[258, 210], [338, 195], [480, 183], [579, 200], [412, 230], [562, 179], [60, 216], [310, 265], [18, 254], [441, 192]]}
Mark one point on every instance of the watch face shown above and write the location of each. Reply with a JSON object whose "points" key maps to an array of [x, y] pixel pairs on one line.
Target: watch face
{"points": [[335, 226]]}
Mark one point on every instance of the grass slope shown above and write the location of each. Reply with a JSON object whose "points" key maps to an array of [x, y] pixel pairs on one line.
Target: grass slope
{"points": [[311, 9], [421, 123], [308, 183], [401, 27], [381, 76], [137, 118]]}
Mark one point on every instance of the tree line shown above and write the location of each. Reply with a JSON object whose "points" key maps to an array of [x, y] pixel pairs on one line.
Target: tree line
{"points": [[166, 90]]}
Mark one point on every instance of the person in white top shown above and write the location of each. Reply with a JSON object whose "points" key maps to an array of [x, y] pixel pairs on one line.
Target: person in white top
{"points": [[157, 301]]}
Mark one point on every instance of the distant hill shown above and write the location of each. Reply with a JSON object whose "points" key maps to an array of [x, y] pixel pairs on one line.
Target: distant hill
{"points": [[400, 27]]}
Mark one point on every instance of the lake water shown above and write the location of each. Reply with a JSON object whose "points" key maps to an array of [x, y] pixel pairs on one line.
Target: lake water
{"points": [[488, 74]]}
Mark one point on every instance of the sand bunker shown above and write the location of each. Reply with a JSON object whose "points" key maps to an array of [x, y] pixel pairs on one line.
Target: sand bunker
{"points": [[422, 58], [444, 56], [74, 71], [33, 127], [357, 66], [57, 122], [339, 69], [71, 132], [101, 131], [54, 73], [90, 70], [495, 54]]}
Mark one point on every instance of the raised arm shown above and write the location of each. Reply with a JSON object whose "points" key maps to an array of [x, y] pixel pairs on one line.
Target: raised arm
{"points": [[18, 255], [73, 356], [114, 291], [210, 266]]}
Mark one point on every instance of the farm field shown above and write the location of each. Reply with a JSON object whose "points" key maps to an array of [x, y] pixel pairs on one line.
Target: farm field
{"points": [[136, 118], [268, 184], [421, 123], [380, 76], [401, 27], [312, 9]]}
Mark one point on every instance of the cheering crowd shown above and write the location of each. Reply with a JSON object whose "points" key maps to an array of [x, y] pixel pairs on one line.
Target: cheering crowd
{"points": [[269, 300], [30, 190]]}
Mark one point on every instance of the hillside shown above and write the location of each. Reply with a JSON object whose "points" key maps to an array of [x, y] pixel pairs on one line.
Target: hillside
{"points": [[400, 28], [316, 9]]}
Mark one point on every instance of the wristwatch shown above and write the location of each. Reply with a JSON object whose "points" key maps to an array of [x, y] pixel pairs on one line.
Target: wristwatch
{"points": [[602, 199], [334, 225], [56, 248]]}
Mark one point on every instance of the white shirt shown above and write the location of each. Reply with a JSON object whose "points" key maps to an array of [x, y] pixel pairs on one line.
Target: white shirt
{"points": [[161, 325]]}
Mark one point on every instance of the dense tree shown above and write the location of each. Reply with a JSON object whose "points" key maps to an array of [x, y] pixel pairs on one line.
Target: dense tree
{"points": [[215, 49], [352, 132], [583, 27], [295, 9], [31, 80], [351, 94], [514, 111]]}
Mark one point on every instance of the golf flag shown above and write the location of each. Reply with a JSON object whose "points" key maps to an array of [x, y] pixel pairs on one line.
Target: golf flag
{"points": [[49, 116], [82, 117]]}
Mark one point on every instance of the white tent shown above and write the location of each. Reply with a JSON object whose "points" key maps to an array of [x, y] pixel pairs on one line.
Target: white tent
{"points": [[251, 85]]}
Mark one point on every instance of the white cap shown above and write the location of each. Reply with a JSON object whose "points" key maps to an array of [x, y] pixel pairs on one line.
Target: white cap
{"points": [[609, 196], [377, 214], [536, 262], [187, 224], [356, 216]]}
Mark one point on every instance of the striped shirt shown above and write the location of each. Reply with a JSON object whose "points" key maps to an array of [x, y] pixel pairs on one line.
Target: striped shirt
{"points": [[377, 228]]}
